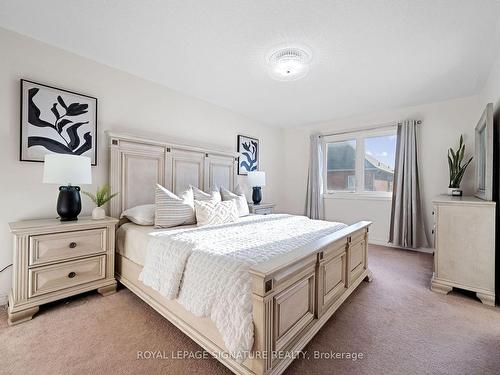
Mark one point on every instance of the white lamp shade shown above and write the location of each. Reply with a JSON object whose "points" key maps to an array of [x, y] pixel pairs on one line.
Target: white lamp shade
{"points": [[67, 169], [257, 178]]}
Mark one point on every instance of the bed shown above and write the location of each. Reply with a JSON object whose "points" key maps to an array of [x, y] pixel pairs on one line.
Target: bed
{"points": [[292, 292]]}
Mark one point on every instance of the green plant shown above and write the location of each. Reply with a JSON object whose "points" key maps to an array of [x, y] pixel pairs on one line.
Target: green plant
{"points": [[102, 195], [455, 159]]}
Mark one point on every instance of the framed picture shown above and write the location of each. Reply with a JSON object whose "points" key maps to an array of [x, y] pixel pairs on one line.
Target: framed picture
{"points": [[248, 154], [56, 121], [483, 154]]}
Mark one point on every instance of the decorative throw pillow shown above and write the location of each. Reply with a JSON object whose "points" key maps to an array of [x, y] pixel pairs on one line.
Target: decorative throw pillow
{"points": [[200, 195], [141, 215], [171, 210], [239, 197], [212, 212]]}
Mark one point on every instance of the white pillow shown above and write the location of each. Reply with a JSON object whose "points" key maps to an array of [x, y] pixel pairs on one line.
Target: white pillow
{"points": [[200, 195], [142, 215], [213, 212], [239, 197], [171, 210]]}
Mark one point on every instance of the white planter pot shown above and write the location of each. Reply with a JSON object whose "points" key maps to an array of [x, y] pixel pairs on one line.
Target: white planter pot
{"points": [[451, 190], [98, 213]]}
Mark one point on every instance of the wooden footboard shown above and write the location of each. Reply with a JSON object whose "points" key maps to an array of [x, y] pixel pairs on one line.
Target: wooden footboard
{"points": [[294, 295]]}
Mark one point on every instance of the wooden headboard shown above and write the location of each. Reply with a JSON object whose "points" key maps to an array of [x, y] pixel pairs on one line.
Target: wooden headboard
{"points": [[137, 164]]}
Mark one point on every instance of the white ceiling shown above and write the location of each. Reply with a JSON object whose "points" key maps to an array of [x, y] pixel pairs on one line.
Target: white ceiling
{"points": [[368, 55]]}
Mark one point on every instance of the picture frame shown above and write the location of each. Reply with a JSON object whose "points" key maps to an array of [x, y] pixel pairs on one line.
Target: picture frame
{"points": [[483, 154], [248, 154], [55, 120]]}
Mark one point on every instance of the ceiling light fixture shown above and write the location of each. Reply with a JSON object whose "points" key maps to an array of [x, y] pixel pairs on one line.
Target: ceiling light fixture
{"points": [[289, 64]]}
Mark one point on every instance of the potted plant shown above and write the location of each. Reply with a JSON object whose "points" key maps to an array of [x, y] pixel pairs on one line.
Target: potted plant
{"points": [[457, 170], [101, 197]]}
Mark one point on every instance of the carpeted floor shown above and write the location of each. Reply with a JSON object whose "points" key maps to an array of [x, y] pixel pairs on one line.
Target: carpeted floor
{"points": [[396, 322]]}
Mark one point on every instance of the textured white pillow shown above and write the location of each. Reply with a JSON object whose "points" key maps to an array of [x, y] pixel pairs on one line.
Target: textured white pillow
{"points": [[238, 197], [212, 212], [200, 195], [171, 210], [142, 215]]}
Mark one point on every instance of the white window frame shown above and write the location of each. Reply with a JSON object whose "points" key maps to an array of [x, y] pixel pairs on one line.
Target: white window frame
{"points": [[359, 137]]}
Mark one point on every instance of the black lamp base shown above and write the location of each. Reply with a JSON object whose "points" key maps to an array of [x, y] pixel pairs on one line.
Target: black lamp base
{"points": [[69, 203], [256, 195]]}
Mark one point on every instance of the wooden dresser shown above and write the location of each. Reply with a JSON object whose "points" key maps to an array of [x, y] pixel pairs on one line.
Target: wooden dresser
{"points": [[54, 260], [464, 230]]}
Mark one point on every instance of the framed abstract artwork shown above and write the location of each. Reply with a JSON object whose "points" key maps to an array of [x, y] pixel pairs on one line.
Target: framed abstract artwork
{"points": [[248, 154], [56, 121]]}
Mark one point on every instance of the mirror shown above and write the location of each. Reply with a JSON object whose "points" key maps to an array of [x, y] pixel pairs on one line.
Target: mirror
{"points": [[483, 154]]}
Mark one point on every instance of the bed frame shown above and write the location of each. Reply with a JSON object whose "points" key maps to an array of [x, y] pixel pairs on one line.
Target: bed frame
{"points": [[293, 295]]}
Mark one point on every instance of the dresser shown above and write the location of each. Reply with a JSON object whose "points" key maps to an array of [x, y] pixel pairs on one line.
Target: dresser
{"points": [[261, 208], [54, 260], [464, 235]]}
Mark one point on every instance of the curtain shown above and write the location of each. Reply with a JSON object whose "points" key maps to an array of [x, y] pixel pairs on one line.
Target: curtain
{"points": [[407, 224], [314, 200]]}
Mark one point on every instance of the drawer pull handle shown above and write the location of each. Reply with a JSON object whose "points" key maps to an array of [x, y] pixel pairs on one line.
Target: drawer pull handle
{"points": [[72, 245], [71, 274]]}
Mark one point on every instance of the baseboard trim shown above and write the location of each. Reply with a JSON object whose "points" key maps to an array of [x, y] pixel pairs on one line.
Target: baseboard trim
{"points": [[375, 241]]}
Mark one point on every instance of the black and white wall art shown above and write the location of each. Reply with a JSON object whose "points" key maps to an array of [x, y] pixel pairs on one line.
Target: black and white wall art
{"points": [[248, 158], [56, 121]]}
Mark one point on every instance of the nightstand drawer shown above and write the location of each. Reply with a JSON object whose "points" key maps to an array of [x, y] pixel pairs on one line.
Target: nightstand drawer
{"points": [[46, 248], [65, 275], [263, 211]]}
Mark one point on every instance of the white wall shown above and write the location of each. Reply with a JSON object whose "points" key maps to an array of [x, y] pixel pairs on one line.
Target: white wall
{"points": [[442, 124], [125, 103], [491, 90]]}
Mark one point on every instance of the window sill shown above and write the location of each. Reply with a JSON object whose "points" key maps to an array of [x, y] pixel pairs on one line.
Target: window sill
{"points": [[364, 196]]}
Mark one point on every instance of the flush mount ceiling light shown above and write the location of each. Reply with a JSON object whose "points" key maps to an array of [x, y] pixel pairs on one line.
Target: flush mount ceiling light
{"points": [[289, 63]]}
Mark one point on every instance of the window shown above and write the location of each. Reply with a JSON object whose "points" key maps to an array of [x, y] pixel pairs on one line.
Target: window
{"points": [[341, 166], [380, 154], [361, 162]]}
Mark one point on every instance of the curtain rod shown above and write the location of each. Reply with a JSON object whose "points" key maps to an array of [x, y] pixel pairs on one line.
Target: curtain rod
{"points": [[373, 127]]}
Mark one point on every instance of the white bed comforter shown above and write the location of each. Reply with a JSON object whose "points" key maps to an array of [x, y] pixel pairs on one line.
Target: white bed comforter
{"points": [[207, 268]]}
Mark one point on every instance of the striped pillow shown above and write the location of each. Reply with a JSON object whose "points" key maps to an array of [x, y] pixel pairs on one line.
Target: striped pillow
{"points": [[239, 197], [200, 195], [171, 210], [213, 212]]}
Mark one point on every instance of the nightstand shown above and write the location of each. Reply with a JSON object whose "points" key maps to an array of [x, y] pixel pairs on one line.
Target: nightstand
{"points": [[261, 209], [54, 260]]}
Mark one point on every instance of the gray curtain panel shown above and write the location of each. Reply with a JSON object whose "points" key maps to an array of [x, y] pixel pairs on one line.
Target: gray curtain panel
{"points": [[314, 200], [407, 224]]}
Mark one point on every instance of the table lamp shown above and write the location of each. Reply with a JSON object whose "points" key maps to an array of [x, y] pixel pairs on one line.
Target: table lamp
{"points": [[68, 171], [256, 180]]}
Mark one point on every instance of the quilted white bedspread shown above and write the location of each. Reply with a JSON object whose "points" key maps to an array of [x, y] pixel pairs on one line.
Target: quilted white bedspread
{"points": [[207, 268]]}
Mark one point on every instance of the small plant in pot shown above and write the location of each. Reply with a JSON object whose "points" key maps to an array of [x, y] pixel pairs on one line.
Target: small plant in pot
{"points": [[457, 169], [101, 197]]}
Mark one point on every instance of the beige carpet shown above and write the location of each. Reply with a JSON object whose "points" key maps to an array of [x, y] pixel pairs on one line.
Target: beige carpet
{"points": [[399, 325]]}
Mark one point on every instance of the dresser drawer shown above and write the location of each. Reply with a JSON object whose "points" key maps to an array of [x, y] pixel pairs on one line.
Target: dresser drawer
{"points": [[46, 279], [47, 248]]}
